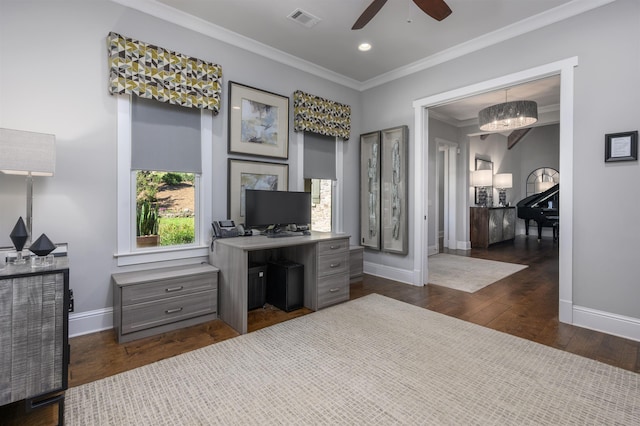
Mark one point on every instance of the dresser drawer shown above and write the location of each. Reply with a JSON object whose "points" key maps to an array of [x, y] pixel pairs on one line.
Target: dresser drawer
{"points": [[333, 289], [330, 264], [163, 289], [333, 246], [155, 313]]}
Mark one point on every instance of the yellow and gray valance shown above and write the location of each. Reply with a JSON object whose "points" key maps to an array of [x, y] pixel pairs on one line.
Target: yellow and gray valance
{"points": [[141, 69], [315, 114]]}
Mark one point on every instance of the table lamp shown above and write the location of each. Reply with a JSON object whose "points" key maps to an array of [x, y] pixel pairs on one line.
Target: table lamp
{"points": [[503, 181], [30, 154], [481, 179]]}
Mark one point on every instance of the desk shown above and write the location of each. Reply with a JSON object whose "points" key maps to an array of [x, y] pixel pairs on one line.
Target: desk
{"points": [[325, 257]]}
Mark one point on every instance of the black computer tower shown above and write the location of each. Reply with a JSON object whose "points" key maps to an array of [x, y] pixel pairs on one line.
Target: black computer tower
{"points": [[285, 285], [257, 286]]}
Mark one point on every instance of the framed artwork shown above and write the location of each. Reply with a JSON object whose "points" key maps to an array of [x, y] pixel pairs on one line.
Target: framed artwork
{"points": [[244, 175], [488, 191], [621, 146], [258, 122], [394, 189], [370, 190]]}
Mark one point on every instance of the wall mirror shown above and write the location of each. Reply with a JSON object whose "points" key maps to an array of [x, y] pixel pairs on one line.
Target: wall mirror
{"points": [[541, 179]]}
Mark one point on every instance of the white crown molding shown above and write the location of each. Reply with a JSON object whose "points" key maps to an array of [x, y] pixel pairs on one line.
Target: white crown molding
{"points": [[551, 16], [532, 23], [178, 17]]}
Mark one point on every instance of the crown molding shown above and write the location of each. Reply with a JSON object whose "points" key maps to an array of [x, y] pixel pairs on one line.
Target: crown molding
{"points": [[551, 16], [178, 17], [532, 23]]}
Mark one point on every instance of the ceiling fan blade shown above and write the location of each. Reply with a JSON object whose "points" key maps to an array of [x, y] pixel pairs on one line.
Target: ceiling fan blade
{"points": [[368, 14], [437, 9]]}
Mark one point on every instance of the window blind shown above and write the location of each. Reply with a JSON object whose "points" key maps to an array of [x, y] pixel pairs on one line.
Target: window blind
{"points": [[319, 156], [165, 137]]}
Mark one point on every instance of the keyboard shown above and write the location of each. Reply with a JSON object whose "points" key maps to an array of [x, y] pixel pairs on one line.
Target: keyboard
{"points": [[283, 234]]}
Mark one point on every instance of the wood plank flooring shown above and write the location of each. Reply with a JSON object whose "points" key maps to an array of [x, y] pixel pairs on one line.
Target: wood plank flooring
{"points": [[524, 304]]}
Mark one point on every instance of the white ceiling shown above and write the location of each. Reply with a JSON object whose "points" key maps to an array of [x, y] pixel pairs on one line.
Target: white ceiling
{"points": [[404, 39]]}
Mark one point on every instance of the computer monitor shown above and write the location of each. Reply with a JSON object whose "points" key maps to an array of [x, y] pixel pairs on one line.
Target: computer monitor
{"points": [[277, 208]]}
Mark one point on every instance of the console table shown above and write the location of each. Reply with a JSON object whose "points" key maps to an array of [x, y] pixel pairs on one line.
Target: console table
{"points": [[325, 257], [490, 225], [34, 334]]}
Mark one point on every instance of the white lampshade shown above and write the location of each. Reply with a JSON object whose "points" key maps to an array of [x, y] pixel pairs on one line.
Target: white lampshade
{"points": [[481, 178], [24, 152], [543, 186], [503, 180]]}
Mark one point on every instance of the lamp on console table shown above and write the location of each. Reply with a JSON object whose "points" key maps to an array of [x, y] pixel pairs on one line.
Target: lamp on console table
{"points": [[30, 154], [503, 181], [481, 179]]}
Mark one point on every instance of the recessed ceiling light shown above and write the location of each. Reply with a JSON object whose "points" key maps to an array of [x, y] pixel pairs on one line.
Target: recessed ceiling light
{"points": [[364, 47]]}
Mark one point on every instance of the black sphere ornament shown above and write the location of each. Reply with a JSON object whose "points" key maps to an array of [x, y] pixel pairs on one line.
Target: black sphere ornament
{"points": [[42, 246], [19, 235]]}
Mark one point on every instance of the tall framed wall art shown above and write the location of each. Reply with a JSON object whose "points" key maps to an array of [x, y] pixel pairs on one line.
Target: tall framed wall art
{"points": [[393, 186]]}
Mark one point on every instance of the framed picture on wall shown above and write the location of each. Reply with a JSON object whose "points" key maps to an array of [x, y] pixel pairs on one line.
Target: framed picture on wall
{"points": [[394, 189], [621, 146], [245, 175], [258, 122], [370, 190]]}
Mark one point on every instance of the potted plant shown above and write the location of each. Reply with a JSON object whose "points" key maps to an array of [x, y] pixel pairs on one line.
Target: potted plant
{"points": [[147, 221]]}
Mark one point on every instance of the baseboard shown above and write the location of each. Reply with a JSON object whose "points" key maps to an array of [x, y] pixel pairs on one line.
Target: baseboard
{"points": [[463, 245], [606, 322], [431, 250], [90, 322], [389, 272]]}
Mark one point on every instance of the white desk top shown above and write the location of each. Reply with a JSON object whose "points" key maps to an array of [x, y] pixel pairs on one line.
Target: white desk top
{"points": [[260, 242]]}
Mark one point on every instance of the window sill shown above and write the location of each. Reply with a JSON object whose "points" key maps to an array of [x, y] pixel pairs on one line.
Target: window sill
{"points": [[161, 255]]}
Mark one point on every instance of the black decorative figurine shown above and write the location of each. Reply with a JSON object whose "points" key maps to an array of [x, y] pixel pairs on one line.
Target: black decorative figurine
{"points": [[19, 237], [42, 246]]}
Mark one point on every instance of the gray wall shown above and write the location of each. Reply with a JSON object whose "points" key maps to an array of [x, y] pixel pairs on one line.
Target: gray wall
{"points": [[606, 42], [53, 79]]}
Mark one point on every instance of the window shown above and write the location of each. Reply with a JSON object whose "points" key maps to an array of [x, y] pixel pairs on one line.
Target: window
{"points": [[165, 208], [164, 175], [321, 203], [320, 175]]}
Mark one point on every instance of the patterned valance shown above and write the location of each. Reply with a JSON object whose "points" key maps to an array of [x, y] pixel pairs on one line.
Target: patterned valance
{"points": [[318, 115], [141, 69]]}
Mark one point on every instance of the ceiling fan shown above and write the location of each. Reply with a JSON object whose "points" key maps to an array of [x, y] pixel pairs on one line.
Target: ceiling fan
{"points": [[437, 9]]}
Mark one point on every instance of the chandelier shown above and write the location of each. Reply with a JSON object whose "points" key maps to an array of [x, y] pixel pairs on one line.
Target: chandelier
{"points": [[508, 115]]}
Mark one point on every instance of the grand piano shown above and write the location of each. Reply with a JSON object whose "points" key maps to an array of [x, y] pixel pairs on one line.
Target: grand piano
{"points": [[543, 208]]}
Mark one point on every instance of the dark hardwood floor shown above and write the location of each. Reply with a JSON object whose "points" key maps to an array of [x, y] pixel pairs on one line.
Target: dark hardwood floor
{"points": [[524, 304]]}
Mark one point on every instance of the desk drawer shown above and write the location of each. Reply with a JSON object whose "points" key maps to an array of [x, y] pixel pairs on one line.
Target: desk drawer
{"points": [[333, 264], [333, 246], [333, 289], [152, 314], [163, 289]]}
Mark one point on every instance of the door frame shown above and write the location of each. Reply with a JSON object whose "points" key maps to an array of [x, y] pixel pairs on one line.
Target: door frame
{"points": [[564, 68]]}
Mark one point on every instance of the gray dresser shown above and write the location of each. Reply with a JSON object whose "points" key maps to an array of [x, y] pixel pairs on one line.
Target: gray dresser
{"points": [[34, 334], [164, 299], [333, 272]]}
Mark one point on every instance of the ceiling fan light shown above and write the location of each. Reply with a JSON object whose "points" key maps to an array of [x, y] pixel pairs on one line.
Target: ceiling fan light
{"points": [[508, 116]]}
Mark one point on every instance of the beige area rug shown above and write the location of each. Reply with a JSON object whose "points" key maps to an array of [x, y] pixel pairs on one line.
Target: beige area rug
{"points": [[373, 360], [467, 273]]}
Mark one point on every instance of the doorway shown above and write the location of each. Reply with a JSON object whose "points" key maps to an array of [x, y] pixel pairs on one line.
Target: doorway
{"points": [[446, 210], [564, 68]]}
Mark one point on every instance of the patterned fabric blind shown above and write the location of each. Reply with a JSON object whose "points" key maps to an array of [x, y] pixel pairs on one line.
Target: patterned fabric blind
{"points": [[141, 69], [318, 115]]}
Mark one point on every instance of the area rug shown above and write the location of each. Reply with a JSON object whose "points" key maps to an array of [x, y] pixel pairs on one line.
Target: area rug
{"points": [[467, 273], [373, 360]]}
